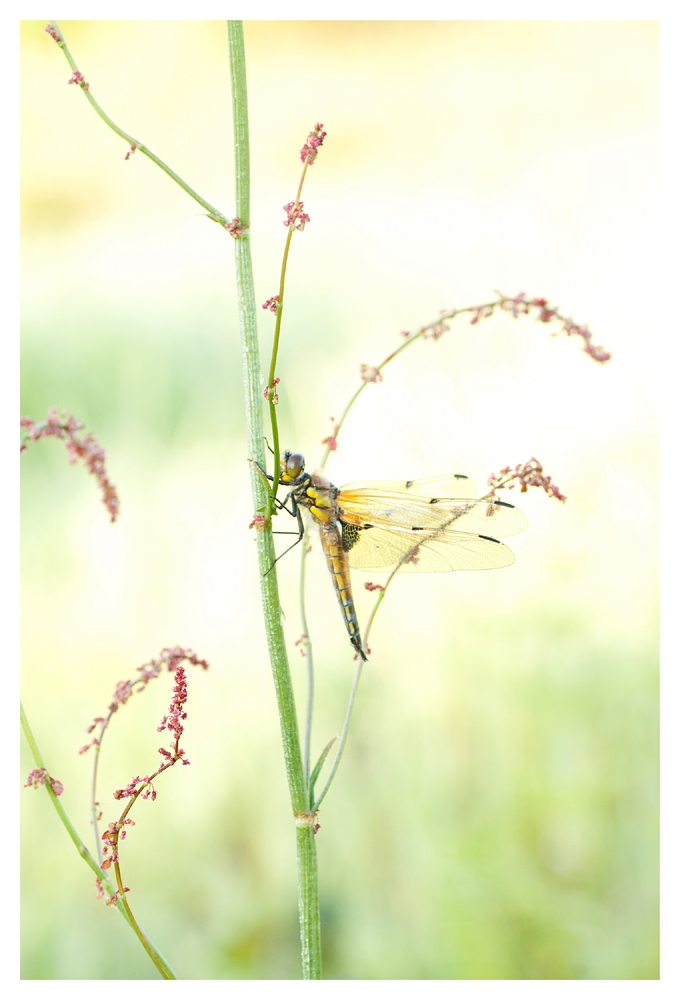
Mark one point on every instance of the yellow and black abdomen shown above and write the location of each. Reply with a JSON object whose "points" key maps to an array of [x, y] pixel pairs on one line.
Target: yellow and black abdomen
{"points": [[336, 557], [318, 495]]}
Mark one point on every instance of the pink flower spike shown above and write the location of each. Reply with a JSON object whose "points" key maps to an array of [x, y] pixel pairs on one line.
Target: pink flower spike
{"points": [[295, 216], [275, 395], [302, 642], [54, 34], [522, 306], [77, 77], [369, 373], [39, 776], [86, 448], [529, 474], [235, 228], [332, 439], [310, 150]]}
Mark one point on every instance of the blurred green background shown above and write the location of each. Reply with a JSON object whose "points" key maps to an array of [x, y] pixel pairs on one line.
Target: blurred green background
{"points": [[495, 814]]}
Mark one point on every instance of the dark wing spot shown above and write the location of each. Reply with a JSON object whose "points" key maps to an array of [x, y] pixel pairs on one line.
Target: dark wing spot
{"points": [[490, 539], [502, 503], [350, 536], [408, 484], [457, 475], [418, 528]]}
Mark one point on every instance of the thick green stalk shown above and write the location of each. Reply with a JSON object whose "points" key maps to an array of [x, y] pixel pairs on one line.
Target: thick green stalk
{"points": [[306, 846]]}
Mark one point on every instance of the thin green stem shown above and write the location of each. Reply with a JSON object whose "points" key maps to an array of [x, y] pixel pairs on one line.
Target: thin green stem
{"points": [[158, 960], [306, 845], [376, 372], [165, 971], [94, 808], [309, 659], [214, 213], [382, 594], [271, 384], [343, 736], [345, 729]]}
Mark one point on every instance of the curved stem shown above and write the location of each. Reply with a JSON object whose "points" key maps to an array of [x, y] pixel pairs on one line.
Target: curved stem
{"points": [[213, 212], [343, 735], [153, 951]]}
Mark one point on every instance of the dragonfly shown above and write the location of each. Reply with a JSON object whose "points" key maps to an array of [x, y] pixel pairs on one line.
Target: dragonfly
{"points": [[414, 526]]}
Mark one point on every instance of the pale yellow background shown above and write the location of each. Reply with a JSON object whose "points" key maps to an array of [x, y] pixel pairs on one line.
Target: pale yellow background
{"points": [[495, 813]]}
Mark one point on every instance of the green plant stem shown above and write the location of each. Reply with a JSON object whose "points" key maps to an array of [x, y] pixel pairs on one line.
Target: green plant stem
{"points": [[158, 960], [308, 896], [165, 972], [343, 736], [422, 332], [214, 213], [275, 353], [306, 845], [309, 659]]}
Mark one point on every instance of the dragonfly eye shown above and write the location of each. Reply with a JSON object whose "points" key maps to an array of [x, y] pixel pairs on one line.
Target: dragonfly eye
{"points": [[292, 466]]}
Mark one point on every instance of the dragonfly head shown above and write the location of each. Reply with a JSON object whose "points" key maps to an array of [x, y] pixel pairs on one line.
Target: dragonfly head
{"points": [[292, 466]]}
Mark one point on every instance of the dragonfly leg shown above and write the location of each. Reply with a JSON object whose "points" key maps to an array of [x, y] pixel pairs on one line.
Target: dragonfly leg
{"points": [[295, 512]]}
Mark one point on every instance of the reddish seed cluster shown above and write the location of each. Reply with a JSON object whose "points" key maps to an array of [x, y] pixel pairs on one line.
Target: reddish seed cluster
{"points": [[524, 476], [170, 658], [481, 312], [136, 786], [110, 838], [544, 313], [234, 228], [332, 440], [77, 77], [54, 34], [39, 776], [303, 642], [257, 522], [434, 331], [66, 427], [130, 151], [275, 395], [114, 897], [369, 373], [143, 787], [113, 833], [310, 150], [175, 717], [373, 586], [295, 217], [271, 304]]}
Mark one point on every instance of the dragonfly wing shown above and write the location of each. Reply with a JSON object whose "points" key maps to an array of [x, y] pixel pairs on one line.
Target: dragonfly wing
{"points": [[435, 486], [373, 507], [421, 551]]}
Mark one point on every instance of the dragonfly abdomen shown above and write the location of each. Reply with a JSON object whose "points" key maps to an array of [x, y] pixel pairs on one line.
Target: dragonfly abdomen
{"points": [[336, 557]]}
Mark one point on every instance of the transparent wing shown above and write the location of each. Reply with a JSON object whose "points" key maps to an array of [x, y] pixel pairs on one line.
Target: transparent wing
{"points": [[435, 486], [367, 506], [422, 551]]}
